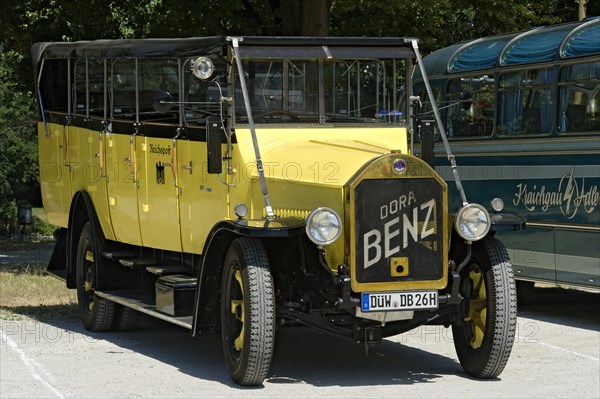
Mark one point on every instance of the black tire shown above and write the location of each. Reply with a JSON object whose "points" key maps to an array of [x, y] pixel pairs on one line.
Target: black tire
{"points": [[247, 312], [125, 318], [97, 314], [484, 336], [524, 292]]}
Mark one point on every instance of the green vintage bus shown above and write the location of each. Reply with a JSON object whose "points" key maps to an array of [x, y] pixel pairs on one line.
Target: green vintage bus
{"points": [[529, 134]]}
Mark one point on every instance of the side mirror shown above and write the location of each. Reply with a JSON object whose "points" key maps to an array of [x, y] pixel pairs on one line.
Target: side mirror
{"points": [[466, 99], [213, 145], [162, 101]]}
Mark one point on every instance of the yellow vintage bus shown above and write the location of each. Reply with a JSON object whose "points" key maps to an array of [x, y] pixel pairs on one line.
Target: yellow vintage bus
{"points": [[231, 184]]}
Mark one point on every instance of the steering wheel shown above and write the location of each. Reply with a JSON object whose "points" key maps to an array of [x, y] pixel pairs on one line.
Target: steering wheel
{"points": [[290, 114]]}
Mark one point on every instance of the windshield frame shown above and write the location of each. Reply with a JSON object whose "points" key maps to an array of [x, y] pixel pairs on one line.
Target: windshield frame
{"points": [[397, 111]]}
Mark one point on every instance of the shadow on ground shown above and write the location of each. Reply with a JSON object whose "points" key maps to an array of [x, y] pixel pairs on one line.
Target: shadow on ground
{"points": [[302, 355], [563, 306]]}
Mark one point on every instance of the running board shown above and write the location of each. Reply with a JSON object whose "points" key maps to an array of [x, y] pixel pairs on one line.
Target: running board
{"points": [[165, 270], [137, 263], [143, 302]]}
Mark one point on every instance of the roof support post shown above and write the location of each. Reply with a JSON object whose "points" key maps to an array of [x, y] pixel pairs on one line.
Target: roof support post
{"points": [[259, 164], [438, 119]]}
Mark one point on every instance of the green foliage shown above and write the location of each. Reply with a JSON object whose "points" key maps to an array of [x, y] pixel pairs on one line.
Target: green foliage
{"points": [[40, 227], [436, 22], [18, 142]]}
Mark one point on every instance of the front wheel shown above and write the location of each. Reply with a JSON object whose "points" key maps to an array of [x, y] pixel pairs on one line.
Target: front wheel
{"points": [[484, 336], [247, 312]]}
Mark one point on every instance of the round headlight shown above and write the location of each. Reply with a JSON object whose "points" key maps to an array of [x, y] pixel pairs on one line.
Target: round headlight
{"points": [[240, 210], [202, 68], [472, 222], [497, 204], [323, 226]]}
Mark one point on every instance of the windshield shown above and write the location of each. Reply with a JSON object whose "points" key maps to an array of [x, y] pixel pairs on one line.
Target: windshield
{"points": [[322, 91]]}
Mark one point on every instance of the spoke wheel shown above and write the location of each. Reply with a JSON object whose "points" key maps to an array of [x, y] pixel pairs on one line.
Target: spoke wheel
{"points": [[484, 336], [97, 314], [477, 308], [247, 312]]}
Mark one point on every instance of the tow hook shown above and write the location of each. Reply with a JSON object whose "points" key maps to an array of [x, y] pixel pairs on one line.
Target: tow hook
{"points": [[369, 335], [342, 279], [454, 297]]}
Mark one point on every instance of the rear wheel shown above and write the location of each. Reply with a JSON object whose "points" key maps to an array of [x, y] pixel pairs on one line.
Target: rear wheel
{"points": [[125, 318], [484, 337], [247, 312], [524, 292], [97, 314]]}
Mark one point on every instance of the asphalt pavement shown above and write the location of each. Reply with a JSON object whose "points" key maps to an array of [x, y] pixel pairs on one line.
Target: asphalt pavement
{"points": [[556, 355]]}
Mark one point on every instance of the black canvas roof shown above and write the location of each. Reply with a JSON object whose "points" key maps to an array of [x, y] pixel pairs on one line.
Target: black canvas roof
{"points": [[199, 45], [128, 48]]}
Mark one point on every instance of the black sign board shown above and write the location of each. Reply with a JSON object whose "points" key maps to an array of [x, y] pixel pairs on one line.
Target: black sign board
{"points": [[398, 226]]}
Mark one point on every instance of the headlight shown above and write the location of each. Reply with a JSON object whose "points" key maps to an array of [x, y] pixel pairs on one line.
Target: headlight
{"points": [[472, 222], [323, 226], [202, 68], [497, 204]]}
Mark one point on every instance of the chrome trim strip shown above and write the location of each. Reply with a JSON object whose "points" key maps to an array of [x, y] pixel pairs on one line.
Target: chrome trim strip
{"points": [[564, 226], [520, 172]]}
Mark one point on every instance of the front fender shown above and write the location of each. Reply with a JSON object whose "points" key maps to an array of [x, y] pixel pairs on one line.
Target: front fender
{"points": [[218, 242]]}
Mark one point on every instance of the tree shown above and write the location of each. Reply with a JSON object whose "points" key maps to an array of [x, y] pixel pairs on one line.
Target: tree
{"points": [[304, 18], [18, 144], [436, 22], [582, 9]]}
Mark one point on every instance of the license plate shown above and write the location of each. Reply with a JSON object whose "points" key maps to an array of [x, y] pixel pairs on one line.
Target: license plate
{"points": [[410, 300]]}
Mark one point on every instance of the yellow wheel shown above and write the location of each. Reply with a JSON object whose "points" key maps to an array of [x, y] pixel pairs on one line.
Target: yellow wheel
{"points": [[477, 308], [485, 331], [247, 312], [97, 314]]}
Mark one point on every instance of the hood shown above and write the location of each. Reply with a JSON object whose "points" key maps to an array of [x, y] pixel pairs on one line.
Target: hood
{"points": [[322, 156]]}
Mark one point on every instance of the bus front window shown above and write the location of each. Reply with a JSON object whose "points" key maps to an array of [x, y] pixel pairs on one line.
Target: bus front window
{"points": [[279, 92], [315, 91]]}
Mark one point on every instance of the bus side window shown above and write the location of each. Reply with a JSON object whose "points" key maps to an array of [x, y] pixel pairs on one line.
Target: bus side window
{"points": [[526, 102], [123, 89], [88, 88], [54, 85], [477, 121], [96, 87], [79, 87], [157, 76], [579, 98]]}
